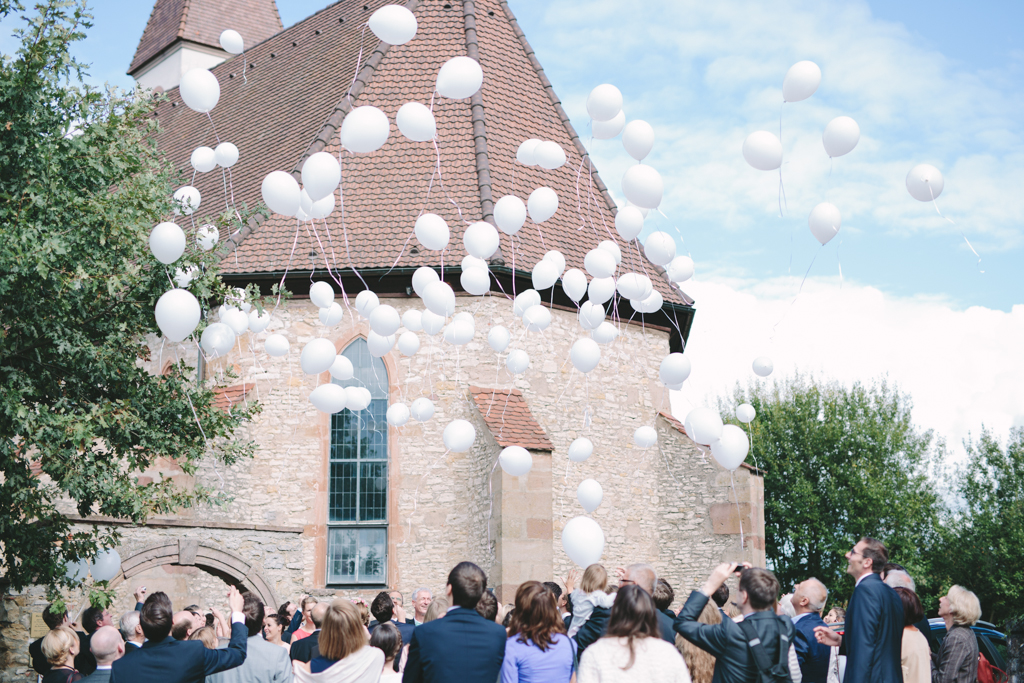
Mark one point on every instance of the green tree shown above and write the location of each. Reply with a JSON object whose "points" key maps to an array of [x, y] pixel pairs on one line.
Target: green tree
{"points": [[840, 463], [983, 537], [81, 186]]}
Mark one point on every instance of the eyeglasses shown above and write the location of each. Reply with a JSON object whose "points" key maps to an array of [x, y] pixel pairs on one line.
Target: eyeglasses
{"points": [[627, 581], [853, 551]]}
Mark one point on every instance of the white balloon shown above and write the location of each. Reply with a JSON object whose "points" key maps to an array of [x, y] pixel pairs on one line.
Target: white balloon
{"points": [[416, 122], [281, 193], [317, 356], [545, 274], [366, 301], [601, 289], [629, 221], [421, 278], [537, 318], [510, 214], [638, 139], [583, 541], [393, 24], [574, 284], [605, 333], [409, 343], [674, 369], [378, 344], [459, 332], [105, 565], [439, 298], [526, 153], [613, 249], [498, 338], [731, 448], [207, 236], [660, 248], [236, 320], [321, 174], [585, 354], [329, 398], [186, 200], [231, 41], [763, 366], [604, 102], [824, 222], [924, 182], [257, 322], [459, 436], [680, 269], [167, 242], [517, 362], [398, 414], [652, 303], [840, 137], [365, 130], [276, 345], [432, 232], [199, 90], [323, 207], [549, 155], [305, 205], [763, 151], [226, 154], [177, 314], [645, 437], [332, 315], [357, 399], [634, 286], [591, 315], [801, 81], [599, 263], [589, 494], [422, 409], [342, 368], [412, 320], [384, 320], [515, 461], [745, 413], [706, 425], [77, 572], [580, 449], [459, 78], [481, 240], [542, 204], [476, 281], [643, 186], [606, 130], [557, 258], [203, 159], [525, 299], [432, 323], [321, 294], [217, 340]]}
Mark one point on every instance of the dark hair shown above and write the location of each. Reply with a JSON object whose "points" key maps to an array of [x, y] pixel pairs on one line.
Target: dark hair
{"points": [[892, 567], [555, 589], [283, 609], [383, 607], [91, 617], [663, 596], [180, 631], [281, 620], [194, 609], [761, 587], [252, 608], [875, 551], [633, 616], [721, 596], [913, 611], [51, 618], [535, 618], [507, 620], [840, 613], [487, 606], [468, 582], [156, 616], [388, 639]]}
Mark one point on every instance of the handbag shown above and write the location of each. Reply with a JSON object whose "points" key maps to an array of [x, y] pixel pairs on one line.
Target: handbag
{"points": [[767, 673]]}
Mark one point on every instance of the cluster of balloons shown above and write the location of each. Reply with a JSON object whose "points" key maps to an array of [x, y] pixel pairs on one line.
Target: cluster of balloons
{"points": [[103, 567]]}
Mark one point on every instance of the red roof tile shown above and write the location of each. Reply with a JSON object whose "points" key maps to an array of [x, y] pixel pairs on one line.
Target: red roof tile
{"points": [[227, 397], [509, 418]]}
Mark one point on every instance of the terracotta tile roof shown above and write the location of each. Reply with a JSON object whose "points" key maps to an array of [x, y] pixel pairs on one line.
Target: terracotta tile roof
{"points": [[509, 418], [294, 104], [202, 21], [228, 397]]}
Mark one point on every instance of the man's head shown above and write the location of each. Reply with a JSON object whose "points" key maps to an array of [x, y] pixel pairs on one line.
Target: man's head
{"points": [[318, 612], [106, 645], [182, 625], [869, 555], [382, 608], [94, 617], [642, 575], [721, 596], [556, 591], [809, 596], [487, 606], [252, 608], [759, 589], [54, 619], [898, 578], [308, 603], [157, 616], [890, 567], [466, 583], [130, 628], [663, 595], [421, 601], [397, 598]]}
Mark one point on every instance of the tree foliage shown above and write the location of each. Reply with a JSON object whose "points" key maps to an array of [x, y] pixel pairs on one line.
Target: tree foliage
{"points": [[81, 186]]}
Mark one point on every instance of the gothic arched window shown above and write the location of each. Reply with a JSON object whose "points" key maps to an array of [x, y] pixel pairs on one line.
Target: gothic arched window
{"points": [[357, 518]]}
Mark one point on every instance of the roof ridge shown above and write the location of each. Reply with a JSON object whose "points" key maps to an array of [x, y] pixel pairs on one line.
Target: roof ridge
{"points": [[476, 107], [184, 18]]}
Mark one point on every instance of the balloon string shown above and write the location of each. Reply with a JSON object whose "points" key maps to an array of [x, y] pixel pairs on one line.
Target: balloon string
{"points": [[771, 339], [739, 516], [214, 127], [344, 229], [359, 61], [334, 258], [440, 180], [969, 246], [245, 64], [840, 263], [782, 189]]}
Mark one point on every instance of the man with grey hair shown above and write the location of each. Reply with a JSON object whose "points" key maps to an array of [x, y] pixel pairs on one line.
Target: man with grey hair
{"points": [[131, 630], [897, 578], [107, 647], [644, 576], [809, 598], [421, 600]]}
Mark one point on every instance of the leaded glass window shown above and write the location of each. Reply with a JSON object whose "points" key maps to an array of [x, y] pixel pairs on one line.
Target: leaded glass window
{"points": [[357, 534]]}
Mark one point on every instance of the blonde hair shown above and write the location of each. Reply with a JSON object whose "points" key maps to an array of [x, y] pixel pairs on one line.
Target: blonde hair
{"points": [[595, 578], [207, 635], [436, 610], [57, 644], [307, 600], [964, 606], [342, 632], [700, 663], [363, 609]]}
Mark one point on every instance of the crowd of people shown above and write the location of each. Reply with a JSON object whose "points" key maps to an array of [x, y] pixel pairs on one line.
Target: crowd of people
{"points": [[598, 631]]}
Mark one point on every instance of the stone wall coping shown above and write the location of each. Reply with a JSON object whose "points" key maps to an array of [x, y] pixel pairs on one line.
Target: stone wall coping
{"points": [[168, 522]]}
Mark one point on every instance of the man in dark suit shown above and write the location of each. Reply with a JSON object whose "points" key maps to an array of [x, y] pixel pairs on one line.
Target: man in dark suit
{"points": [[167, 660], [873, 637], [758, 591], [305, 650], [382, 609], [809, 598], [462, 646], [107, 647]]}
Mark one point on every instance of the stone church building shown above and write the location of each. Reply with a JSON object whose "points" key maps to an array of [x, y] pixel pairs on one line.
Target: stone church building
{"points": [[346, 504]]}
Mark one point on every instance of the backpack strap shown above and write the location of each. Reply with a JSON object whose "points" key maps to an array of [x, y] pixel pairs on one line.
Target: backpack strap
{"points": [[764, 665], [756, 647]]}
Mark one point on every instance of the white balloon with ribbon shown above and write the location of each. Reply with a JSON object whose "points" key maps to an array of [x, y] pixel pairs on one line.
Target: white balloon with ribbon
{"points": [[763, 366], [510, 214], [393, 24], [329, 398], [321, 175], [731, 448], [365, 130], [604, 102], [574, 284], [231, 41], [542, 204], [638, 139], [580, 449], [199, 90], [643, 186], [167, 242], [317, 356], [629, 221], [177, 314], [416, 122], [824, 222], [763, 151], [583, 541], [515, 461]]}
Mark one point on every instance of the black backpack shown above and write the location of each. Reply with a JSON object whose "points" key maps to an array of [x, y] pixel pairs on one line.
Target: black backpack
{"points": [[766, 673]]}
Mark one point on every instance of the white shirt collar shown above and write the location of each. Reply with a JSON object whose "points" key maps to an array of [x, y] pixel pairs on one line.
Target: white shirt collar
{"points": [[452, 607], [416, 622], [800, 616], [862, 577], [101, 667]]}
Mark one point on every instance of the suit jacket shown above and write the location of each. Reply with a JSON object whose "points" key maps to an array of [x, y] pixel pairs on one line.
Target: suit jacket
{"points": [[813, 656], [180, 661], [726, 641], [873, 640], [84, 661], [593, 629], [42, 667], [405, 629], [666, 622], [462, 647], [302, 650], [264, 663], [97, 676]]}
